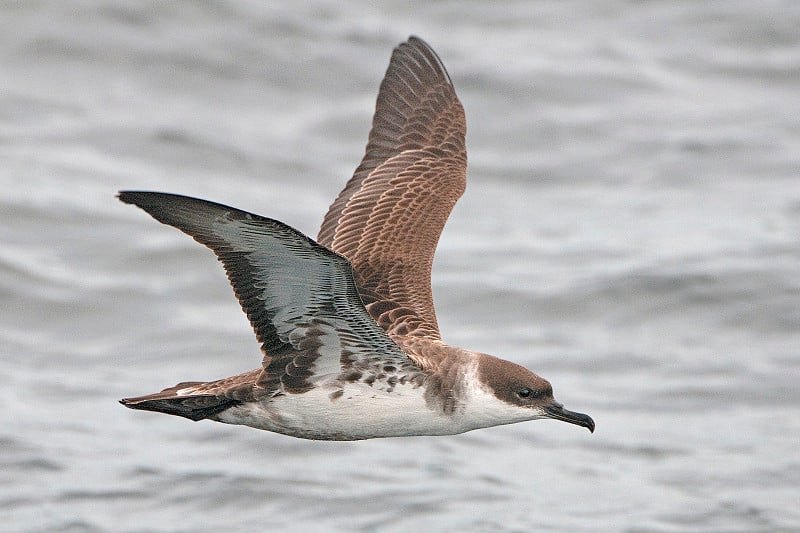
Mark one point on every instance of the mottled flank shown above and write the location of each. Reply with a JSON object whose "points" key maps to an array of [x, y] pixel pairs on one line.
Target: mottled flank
{"points": [[348, 332]]}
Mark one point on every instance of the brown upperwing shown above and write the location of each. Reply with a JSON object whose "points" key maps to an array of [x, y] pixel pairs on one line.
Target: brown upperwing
{"points": [[388, 218]]}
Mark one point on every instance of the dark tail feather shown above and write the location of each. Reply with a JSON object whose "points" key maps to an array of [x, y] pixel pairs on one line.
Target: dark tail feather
{"points": [[193, 407]]}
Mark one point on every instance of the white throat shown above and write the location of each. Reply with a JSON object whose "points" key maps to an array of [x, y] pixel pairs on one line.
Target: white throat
{"points": [[483, 409]]}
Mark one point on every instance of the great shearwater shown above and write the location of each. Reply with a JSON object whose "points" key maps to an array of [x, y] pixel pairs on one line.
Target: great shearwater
{"points": [[350, 343]]}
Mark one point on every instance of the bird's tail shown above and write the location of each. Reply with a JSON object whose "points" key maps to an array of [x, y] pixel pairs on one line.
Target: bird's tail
{"points": [[180, 401]]}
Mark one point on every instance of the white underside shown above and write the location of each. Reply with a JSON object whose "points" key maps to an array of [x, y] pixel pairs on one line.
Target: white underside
{"points": [[365, 412], [360, 413]]}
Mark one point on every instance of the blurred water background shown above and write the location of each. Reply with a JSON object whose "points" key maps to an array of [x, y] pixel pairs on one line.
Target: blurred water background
{"points": [[631, 231]]}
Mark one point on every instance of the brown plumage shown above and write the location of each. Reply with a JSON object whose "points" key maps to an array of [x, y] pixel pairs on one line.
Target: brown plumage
{"points": [[388, 218], [348, 332]]}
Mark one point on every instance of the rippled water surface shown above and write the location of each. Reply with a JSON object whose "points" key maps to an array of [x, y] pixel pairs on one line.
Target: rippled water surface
{"points": [[631, 231]]}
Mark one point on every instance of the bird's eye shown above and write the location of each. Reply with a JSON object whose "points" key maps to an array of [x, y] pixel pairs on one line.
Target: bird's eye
{"points": [[524, 393]]}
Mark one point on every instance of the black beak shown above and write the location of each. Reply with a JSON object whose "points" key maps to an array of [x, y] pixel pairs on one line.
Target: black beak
{"points": [[556, 411]]}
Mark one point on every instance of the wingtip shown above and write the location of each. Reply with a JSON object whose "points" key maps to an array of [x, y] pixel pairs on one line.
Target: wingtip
{"points": [[417, 42], [128, 197], [145, 199]]}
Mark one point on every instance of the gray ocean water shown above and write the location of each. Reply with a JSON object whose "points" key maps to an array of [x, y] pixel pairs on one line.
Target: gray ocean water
{"points": [[631, 231]]}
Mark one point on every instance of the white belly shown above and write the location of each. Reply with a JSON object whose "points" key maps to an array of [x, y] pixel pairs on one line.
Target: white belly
{"points": [[362, 412]]}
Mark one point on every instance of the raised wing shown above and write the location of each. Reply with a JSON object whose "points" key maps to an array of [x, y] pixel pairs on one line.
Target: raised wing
{"points": [[388, 218], [299, 296]]}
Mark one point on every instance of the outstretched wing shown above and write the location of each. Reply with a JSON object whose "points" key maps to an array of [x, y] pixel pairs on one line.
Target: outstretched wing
{"points": [[300, 297], [388, 218]]}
